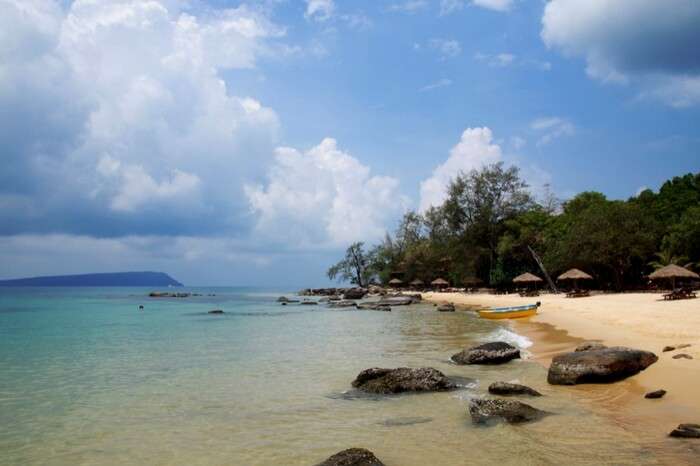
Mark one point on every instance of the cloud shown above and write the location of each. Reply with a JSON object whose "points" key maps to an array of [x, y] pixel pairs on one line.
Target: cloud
{"points": [[445, 48], [518, 142], [409, 7], [323, 197], [475, 149], [497, 60], [552, 128], [118, 121], [319, 10], [450, 6], [444, 82], [645, 42]]}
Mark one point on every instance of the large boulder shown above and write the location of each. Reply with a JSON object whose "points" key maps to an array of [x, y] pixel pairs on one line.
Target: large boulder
{"points": [[505, 388], [402, 379], [447, 307], [496, 352], [354, 293], [397, 301], [686, 431], [352, 457], [598, 365], [514, 412]]}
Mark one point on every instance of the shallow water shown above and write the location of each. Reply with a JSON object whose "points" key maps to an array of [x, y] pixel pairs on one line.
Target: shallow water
{"points": [[87, 378]]}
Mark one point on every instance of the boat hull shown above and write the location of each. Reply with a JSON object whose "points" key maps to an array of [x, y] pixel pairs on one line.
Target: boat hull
{"points": [[486, 314]]}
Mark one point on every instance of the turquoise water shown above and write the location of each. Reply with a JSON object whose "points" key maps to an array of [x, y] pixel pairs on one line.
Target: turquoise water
{"points": [[88, 378]]}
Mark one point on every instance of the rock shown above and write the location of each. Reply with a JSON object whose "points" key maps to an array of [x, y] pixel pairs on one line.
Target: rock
{"points": [[403, 379], [397, 301], [496, 352], [140, 306], [374, 306], [354, 293], [673, 348], [686, 431], [216, 311], [342, 304], [282, 299], [682, 356], [505, 388], [598, 366], [449, 307], [405, 421], [590, 345], [511, 411], [308, 302], [352, 457], [655, 394], [165, 294]]}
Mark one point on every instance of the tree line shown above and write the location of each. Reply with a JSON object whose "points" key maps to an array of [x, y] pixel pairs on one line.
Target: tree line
{"points": [[483, 231]]}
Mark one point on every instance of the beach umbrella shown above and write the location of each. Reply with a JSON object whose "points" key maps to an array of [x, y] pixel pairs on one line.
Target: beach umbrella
{"points": [[439, 283], [417, 282], [672, 272], [575, 275], [395, 282], [527, 278]]}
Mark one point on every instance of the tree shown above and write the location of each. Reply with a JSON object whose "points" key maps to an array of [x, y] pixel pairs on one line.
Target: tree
{"points": [[355, 267]]}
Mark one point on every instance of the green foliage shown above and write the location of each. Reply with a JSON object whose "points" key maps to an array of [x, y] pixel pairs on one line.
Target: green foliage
{"points": [[489, 219]]}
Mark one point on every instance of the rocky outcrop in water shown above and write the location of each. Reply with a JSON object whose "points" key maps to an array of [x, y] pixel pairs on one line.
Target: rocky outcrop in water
{"points": [[686, 431], [514, 412], [352, 457], [598, 366], [505, 388], [497, 352], [449, 307], [354, 293], [216, 311], [374, 306], [397, 301], [682, 356], [167, 294], [402, 379], [675, 347], [342, 304], [655, 394]]}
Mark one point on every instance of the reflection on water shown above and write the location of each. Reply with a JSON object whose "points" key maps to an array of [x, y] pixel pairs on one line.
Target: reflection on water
{"points": [[89, 379]]}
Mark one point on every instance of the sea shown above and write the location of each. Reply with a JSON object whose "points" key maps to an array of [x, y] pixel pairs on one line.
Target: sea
{"points": [[89, 378]]}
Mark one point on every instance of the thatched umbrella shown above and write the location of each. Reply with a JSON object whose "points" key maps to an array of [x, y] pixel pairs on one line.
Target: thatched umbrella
{"points": [[672, 272], [417, 282], [527, 278], [575, 275], [439, 283], [395, 282]]}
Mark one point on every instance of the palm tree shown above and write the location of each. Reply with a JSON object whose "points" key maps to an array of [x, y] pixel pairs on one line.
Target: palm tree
{"points": [[666, 257]]}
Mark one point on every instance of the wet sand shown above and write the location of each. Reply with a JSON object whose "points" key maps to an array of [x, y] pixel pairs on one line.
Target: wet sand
{"points": [[639, 320]]}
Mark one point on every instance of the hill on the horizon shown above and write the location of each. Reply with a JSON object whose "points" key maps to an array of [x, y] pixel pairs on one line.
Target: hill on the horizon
{"points": [[98, 279]]}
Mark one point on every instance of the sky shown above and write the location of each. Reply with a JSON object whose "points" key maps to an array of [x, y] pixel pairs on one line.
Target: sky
{"points": [[248, 143]]}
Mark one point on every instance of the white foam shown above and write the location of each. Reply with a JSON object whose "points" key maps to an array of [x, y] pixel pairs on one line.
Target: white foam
{"points": [[503, 334]]}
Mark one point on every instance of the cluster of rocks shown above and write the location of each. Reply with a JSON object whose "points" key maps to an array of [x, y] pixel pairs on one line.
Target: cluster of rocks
{"points": [[352, 457], [167, 294]]}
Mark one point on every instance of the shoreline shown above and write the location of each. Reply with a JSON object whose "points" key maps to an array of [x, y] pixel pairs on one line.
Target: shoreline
{"points": [[638, 320]]}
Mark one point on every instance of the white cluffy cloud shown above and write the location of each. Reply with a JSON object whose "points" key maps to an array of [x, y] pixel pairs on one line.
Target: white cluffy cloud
{"points": [[552, 128], [444, 82], [450, 6], [474, 150], [445, 48], [410, 6], [120, 106], [319, 10], [323, 197], [646, 42]]}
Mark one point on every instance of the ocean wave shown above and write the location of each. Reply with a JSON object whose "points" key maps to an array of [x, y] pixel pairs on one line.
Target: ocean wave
{"points": [[504, 334]]}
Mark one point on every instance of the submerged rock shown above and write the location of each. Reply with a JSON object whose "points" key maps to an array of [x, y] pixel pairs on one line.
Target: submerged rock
{"points": [[402, 379], [511, 411], [496, 352], [216, 311], [374, 307], [397, 301], [673, 348], [405, 421], [342, 304], [589, 346], [655, 394], [505, 388], [598, 366], [449, 307], [682, 356], [308, 302], [686, 431], [352, 457]]}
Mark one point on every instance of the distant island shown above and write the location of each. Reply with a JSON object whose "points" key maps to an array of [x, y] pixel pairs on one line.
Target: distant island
{"points": [[98, 279]]}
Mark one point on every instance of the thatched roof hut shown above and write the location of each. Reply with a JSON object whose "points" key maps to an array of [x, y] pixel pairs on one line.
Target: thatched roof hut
{"points": [[439, 283], [395, 282], [527, 278], [672, 272], [417, 282], [574, 274]]}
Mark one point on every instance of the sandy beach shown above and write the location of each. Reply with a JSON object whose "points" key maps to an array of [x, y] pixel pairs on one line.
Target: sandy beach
{"points": [[638, 320]]}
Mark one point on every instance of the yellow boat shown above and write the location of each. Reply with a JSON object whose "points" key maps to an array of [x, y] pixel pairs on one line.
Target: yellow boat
{"points": [[513, 312]]}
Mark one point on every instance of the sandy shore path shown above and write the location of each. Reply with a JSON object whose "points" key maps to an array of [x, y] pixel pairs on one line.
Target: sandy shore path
{"points": [[638, 320]]}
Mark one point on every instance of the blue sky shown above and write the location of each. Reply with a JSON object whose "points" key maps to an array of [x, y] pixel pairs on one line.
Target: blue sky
{"points": [[234, 142]]}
